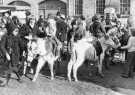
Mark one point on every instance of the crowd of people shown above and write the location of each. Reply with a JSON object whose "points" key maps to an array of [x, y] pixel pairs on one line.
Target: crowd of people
{"points": [[13, 44]]}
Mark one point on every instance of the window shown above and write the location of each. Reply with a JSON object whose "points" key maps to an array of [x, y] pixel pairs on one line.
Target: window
{"points": [[1, 2], [78, 7], [100, 6], [19, 3], [51, 7], [125, 7]]}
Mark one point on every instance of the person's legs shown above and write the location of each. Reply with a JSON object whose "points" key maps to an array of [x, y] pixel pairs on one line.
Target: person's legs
{"points": [[8, 77], [128, 65], [131, 68]]}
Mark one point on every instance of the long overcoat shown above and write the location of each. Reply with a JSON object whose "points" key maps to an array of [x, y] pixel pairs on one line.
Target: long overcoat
{"points": [[61, 32], [13, 45]]}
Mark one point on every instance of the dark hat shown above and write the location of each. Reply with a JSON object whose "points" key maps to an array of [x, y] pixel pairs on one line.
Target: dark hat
{"points": [[28, 13], [58, 13], [96, 17], [82, 17], [8, 12]]}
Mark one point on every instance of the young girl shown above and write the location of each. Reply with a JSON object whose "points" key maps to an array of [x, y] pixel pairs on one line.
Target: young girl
{"points": [[129, 66], [4, 56], [12, 45]]}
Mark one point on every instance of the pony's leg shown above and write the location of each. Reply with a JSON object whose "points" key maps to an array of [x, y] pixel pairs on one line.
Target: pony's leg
{"points": [[75, 68], [40, 64], [100, 63], [69, 69], [51, 65], [25, 67]]}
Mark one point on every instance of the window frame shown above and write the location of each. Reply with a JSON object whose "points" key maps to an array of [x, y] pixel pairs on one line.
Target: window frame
{"points": [[124, 3], [78, 7], [100, 6]]}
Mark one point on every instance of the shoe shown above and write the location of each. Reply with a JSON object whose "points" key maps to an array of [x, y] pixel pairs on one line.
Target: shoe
{"points": [[125, 76], [3, 84], [19, 80], [131, 76]]}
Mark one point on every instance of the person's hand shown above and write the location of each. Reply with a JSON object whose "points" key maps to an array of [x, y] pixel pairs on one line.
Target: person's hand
{"points": [[8, 57], [119, 48], [24, 54], [122, 48], [106, 36]]}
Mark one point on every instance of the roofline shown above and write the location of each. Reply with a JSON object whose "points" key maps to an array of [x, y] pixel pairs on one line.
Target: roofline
{"points": [[7, 7]]}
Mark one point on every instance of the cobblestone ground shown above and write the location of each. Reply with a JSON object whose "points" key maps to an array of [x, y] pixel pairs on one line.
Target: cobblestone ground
{"points": [[112, 84], [45, 86]]}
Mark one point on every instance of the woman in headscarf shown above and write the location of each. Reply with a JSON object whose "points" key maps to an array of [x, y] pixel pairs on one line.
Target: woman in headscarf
{"points": [[4, 56], [12, 45]]}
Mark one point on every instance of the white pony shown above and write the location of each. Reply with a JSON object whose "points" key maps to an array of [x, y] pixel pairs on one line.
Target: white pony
{"points": [[83, 49], [44, 48]]}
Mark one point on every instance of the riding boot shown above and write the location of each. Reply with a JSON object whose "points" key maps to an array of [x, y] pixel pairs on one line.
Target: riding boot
{"points": [[7, 81], [8, 78], [18, 76]]}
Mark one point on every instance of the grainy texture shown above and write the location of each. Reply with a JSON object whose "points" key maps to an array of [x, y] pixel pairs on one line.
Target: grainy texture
{"points": [[87, 86]]}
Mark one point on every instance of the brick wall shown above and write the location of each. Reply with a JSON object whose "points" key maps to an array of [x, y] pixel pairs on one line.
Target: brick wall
{"points": [[89, 8], [34, 5], [113, 3], [71, 6], [132, 8]]}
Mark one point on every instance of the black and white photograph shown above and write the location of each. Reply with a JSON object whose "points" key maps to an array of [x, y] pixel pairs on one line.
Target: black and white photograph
{"points": [[67, 47]]}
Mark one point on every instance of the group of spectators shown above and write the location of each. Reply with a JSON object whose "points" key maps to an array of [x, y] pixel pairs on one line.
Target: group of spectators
{"points": [[13, 44]]}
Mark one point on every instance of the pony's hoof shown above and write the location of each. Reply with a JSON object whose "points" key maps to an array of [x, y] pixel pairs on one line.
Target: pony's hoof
{"points": [[76, 80], [69, 80], [52, 78], [101, 75], [33, 80]]}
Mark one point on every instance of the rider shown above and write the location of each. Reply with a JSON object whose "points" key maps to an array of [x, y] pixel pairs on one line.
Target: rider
{"points": [[51, 31], [97, 29]]}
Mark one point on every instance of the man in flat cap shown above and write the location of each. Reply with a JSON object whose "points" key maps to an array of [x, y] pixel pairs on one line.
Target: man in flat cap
{"points": [[97, 29]]}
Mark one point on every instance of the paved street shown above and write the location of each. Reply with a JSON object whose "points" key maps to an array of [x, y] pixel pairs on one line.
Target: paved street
{"points": [[45, 86], [112, 84]]}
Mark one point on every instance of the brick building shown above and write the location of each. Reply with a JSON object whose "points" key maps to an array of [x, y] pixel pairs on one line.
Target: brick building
{"points": [[72, 7], [90, 7], [38, 7]]}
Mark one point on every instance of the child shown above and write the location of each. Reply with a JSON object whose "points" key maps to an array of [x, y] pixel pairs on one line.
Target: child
{"points": [[12, 43], [130, 55]]}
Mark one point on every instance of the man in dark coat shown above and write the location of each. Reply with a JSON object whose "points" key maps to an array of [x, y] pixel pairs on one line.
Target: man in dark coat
{"points": [[26, 29], [7, 20], [4, 57], [97, 29], [13, 46], [61, 32]]}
